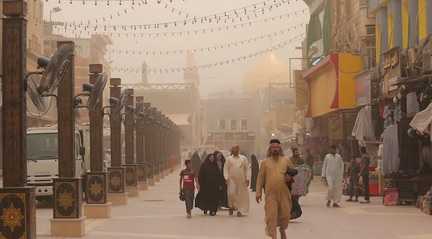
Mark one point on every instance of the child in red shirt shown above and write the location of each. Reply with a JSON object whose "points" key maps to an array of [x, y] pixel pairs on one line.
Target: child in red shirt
{"points": [[187, 187]]}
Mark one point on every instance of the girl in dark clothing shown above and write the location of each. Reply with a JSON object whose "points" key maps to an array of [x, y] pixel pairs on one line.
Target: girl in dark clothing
{"points": [[211, 181], [254, 172]]}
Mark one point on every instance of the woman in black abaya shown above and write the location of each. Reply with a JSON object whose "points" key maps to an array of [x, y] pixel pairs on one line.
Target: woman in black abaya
{"points": [[220, 161], [196, 163], [210, 183]]}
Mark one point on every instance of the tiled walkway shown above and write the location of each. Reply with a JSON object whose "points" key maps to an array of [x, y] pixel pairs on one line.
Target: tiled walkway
{"points": [[157, 214]]}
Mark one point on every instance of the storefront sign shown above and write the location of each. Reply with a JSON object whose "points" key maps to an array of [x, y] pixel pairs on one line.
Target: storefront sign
{"points": [[363, 88]]}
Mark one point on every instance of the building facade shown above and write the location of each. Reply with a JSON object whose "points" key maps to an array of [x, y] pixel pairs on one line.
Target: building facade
{"points": [[231, 120]]}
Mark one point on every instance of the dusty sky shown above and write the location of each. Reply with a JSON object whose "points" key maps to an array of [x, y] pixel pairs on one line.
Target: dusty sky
{"points": [[215, 79]]}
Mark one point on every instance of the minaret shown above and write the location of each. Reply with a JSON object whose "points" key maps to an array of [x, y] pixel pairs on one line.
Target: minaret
{"points": [[191, 71]]}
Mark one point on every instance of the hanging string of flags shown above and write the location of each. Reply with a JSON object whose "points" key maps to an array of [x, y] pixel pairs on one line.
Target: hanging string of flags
{"points": [[226, 17], [110, 2], [132, 52], [135, 31], [167, 70]]}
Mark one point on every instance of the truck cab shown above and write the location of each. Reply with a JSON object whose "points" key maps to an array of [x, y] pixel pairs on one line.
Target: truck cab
{"points": [[42, 158]]}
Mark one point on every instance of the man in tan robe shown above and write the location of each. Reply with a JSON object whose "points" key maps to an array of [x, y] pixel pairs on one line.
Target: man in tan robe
{"points": [[272, 178], [236, 175]]}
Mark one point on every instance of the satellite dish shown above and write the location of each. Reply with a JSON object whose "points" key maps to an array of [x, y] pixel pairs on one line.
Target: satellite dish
{"points": [[56, 69], [96, 91], [33, 81]]}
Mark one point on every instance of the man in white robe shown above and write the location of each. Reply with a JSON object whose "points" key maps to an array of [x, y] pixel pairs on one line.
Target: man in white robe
{"points": [[332, 175], [236, 175]]}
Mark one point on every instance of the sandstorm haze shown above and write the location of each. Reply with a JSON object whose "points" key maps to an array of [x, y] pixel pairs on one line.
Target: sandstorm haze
{"points": [[227, 77]]}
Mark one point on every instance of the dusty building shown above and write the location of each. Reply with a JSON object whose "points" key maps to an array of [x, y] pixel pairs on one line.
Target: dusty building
{"points": [[231, 120], [268, 83], [181, 102]]}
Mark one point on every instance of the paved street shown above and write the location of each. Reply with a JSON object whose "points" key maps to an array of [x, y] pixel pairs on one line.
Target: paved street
{"points": [[158, 214]]}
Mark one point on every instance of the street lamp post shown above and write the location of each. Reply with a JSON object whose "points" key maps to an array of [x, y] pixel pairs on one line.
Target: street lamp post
{"points": [[17, 202], [131, 167], [97, 205], [149, 144], [140, 143], [68, 220], [116, 173]]}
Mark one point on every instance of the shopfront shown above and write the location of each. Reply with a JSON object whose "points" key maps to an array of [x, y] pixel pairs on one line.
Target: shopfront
{"points": [[332, 103]]}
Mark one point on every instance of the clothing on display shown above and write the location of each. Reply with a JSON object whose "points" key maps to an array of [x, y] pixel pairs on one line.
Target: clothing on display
{"points": [[422, 120], [391, 160], [413, 106], [363, 127]]}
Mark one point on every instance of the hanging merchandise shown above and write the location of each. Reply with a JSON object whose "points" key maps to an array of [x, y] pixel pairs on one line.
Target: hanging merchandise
{"points": [[136, 31], [165, 70], [391, 159], [363, 127], [422, 120], [412, 103], [204, 49]]}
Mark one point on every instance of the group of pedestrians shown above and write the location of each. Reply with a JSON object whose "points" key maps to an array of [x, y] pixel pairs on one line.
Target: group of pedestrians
{"points": [[225, 183], [221, 183], [358, 175]]}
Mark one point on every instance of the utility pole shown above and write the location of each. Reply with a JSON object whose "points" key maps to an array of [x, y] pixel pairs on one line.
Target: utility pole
{"points": [[116, 173], [17, 202], [97, 205]]}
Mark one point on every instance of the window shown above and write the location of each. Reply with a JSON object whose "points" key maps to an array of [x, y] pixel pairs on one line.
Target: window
{"points": [[222, 125], [42, 146], [233, 125], [244, 126]]}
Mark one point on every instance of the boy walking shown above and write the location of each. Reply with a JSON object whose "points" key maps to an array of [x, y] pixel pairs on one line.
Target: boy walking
{"points": [[187, 187], [354, 171]]}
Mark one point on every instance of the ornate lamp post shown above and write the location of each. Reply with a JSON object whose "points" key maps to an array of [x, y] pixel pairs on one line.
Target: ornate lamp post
{"points": [[131, 167], [97, 205], [17, 202], [68, 219], [116, 173], [140, 143], [149, 145]]}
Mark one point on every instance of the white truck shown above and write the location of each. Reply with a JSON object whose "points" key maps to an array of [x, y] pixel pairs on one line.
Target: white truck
{"points": [[42, 158]]}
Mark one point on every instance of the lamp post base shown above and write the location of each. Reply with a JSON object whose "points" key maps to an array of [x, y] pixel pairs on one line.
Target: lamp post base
{"points": [[132, 191], [151, 181], [98, 210], [142, 186], [17, 203], [74, 227], [118, 199]]}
